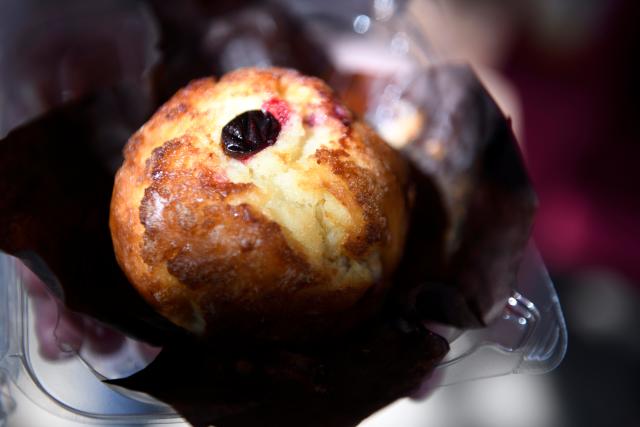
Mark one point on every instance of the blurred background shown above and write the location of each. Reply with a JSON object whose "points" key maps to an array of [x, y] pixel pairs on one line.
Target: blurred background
{"points": [[568, 72]]}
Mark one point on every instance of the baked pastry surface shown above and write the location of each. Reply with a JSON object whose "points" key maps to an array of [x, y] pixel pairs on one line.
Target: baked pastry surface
{"points": [[299, 237]]}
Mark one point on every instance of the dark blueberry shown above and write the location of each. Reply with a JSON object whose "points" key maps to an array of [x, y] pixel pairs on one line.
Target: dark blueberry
{"points": [[249, 133]]}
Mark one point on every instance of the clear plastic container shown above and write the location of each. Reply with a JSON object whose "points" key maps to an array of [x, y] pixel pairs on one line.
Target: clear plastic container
{"points": [[529, 337], [385, 36], [53, 53]]}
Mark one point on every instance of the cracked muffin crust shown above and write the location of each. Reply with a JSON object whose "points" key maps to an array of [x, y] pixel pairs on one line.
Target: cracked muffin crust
{"points": [[297, 238]]}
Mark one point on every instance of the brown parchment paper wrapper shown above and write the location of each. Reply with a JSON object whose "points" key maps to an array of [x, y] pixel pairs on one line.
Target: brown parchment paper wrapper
{"points": [[471, 219], [475, 204]]}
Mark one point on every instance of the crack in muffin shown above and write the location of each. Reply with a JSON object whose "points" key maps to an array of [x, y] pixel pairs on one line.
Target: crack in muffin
{"points": [[297, 239]]}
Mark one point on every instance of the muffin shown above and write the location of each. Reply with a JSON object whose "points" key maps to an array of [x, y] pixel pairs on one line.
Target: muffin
{"points": [[259, 205]]}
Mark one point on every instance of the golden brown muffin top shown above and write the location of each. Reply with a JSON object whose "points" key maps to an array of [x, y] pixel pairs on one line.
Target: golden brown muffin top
{"points": [[293, 236]]}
